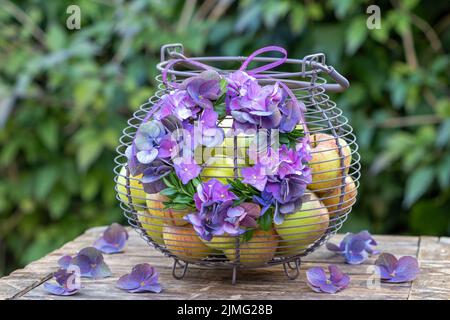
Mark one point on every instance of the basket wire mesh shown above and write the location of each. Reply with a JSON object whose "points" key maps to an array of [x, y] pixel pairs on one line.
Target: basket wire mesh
{"points": [[320, 217]]}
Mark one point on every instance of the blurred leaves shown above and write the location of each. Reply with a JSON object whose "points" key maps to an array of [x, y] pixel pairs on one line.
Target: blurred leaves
{"points": [[71, 92]]}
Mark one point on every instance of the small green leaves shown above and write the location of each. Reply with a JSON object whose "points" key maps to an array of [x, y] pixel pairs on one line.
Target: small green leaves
{"points": [[265, 221], [244, 192], [180, 196], [290, 139]]}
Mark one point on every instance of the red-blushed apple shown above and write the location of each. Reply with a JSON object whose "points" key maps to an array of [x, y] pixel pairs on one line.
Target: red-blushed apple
{"points": [[326, 162], [258, 250], [184, 243], [155, 207], [331, 198]]}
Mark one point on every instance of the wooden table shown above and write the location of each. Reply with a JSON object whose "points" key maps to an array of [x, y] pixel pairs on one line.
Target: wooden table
{"points": [[433, 282]]}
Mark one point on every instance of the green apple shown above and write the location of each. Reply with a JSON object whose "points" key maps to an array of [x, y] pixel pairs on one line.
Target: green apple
{"points": [[152, 225], [326, 161], [184, 243], [137, 192], [219, 167], [303, 228], [222, 242], [257, 251]]}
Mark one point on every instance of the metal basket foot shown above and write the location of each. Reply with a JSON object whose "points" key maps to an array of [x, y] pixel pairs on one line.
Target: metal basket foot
{"points": [[182, 265], [233, 279], [294, 266]]}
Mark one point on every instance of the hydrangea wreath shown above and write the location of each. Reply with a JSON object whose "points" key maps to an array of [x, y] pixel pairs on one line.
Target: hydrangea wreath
{"points": [[190, 117]]}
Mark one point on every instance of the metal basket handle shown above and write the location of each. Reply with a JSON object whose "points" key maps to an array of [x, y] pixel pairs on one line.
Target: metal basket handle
{"points": [[314, 61]]}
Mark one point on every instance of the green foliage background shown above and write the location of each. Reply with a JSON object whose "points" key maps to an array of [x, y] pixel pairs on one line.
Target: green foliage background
{"points": [[65, 96]]}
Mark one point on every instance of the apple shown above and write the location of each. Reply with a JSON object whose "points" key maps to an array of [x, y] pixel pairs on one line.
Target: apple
{"points": [[219, 167], [137, 192], [326, 161], [221, 242], [152, 225], [332, 197], [301, 229], [155, 207], [258, 250], [184, 243]]}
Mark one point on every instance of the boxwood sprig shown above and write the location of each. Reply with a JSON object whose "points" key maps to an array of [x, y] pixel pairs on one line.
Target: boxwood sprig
{"points": [[180, 196]]}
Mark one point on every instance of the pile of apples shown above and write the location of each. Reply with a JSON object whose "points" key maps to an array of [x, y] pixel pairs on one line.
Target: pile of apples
{"points": [[299, 231]]}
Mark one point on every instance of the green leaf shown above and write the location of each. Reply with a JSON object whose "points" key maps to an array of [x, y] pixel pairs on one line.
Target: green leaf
{"points": [[417, 184], [168, 192], [356, 34], [265, 222], [46, 178], [48, 133], [248, 235], [88, 152]]}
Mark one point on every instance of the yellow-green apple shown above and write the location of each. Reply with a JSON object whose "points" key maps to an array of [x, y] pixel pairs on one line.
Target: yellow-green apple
{"points": [[152, 225], [219, 167], [155, 207], [258, 250], [221, 242], [326, 162], [301, 229], [331, 198], [184, 243], [137, 192]]}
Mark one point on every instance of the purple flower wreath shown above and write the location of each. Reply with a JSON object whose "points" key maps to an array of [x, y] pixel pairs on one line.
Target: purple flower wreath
{"points": [[189, 116]]}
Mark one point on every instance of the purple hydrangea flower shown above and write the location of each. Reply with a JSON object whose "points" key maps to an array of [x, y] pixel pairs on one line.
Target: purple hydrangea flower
{"points": [[113, 239], [244, 215], [290, 115], [392, 270], [91, 263], [67, 283], [177, 103], [152, 176], [202, 91], [283, 175], [187, 169], [212, 191], [318, 281], [168, 147], [252, 105], [266, 200], [355, 247], [219, 218], [64, 261], [143, 278], [255, 176], [147, 139]]}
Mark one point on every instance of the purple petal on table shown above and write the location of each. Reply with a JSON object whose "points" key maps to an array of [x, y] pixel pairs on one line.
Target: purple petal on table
{"points": [[316, 276], [101, 270], [338, 278], [113, 239], [387, 264], [143, 278], [333, 247], [355, 258], [56, 289], [127, 282], [328, 288], [407, 270], [84, 263], [365, 235], [65, 261], [156, 288]]}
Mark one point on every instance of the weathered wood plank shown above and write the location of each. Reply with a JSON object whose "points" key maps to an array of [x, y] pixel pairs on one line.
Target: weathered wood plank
{"points": [[434, 280], [201, 283]]}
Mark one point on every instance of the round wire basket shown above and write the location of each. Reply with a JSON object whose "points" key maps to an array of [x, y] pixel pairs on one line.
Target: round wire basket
{"points": [[335, 168]]}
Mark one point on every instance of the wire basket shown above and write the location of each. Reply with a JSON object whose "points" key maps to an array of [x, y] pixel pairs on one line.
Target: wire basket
{"points": [[332, 193]]}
